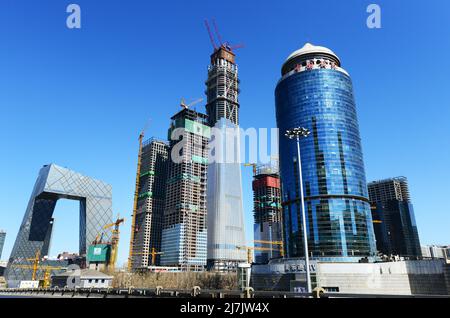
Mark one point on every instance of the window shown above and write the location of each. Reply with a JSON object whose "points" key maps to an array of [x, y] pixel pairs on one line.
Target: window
{"points": [[331, 289]]}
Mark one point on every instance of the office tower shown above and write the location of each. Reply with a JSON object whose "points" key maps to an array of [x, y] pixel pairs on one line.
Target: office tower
{"points": [[267, 213], [150, 204], [394, 220], [2, 241], [316, 93], [55, 183], [226, 236], [184, 222]]}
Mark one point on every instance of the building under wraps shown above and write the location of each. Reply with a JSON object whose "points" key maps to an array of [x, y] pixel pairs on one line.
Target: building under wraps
{"points": [[150, 206], [267, 213], [226, 237], [184, 222]]}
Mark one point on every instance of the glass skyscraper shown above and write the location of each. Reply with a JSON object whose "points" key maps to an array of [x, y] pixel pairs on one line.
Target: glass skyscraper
{"points": [[315, 92]]}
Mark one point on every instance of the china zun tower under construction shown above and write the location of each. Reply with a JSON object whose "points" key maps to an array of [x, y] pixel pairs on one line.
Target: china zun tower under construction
{"points": [[226, 237]]}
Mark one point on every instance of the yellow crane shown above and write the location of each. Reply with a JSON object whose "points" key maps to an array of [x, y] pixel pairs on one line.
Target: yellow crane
{"points": [[35, 267], [36, 260], [254, 165], [114, 241], [258, 248], [250, 249], [47, 270], [280, 243], [136, 197], [153, 254]]}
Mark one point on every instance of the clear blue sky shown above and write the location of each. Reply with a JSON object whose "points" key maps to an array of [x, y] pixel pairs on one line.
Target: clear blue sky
{"points": [[79, 98]]}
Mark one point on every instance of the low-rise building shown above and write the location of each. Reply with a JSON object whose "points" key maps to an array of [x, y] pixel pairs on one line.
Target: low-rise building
{"points": [[434, 251], [404, 277], [85, 278]]}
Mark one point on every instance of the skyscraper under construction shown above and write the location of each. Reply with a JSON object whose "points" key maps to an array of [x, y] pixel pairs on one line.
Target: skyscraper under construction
{"points": [[267, 213], [150, 204], [184, 226], [226, 237], [393, 218], [222, 86]]}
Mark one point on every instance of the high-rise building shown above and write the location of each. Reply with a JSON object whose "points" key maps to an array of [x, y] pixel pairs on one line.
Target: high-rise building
{"points": [[222, 87], [184, 234], [55, 183], [226, 236], [316, 93], [393, 217], [150, 205], [267, 213], [2, 241]]}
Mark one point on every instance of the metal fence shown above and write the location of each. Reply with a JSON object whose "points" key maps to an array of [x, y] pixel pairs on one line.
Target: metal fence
{"points": [[195, 292]]}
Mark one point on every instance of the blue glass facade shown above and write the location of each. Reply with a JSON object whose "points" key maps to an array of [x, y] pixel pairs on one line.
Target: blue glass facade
{"points": [[338, 216]]}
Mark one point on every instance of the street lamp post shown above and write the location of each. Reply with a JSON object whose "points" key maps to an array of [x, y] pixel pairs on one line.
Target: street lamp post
{"points": [[291, 134]]}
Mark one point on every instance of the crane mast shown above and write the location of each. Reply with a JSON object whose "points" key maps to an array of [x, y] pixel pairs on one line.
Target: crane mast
{"points": [[135, 205]]}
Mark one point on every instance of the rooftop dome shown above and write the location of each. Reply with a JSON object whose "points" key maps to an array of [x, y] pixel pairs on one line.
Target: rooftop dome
{"points": [[308, 48]]}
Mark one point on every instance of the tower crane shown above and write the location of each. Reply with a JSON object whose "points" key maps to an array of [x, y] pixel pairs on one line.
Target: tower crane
{"points": [[154, 253], [250, 249], [254, 165], [35, 266], [184, 105], [114, 241], [257, 248], [225, 45]]}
